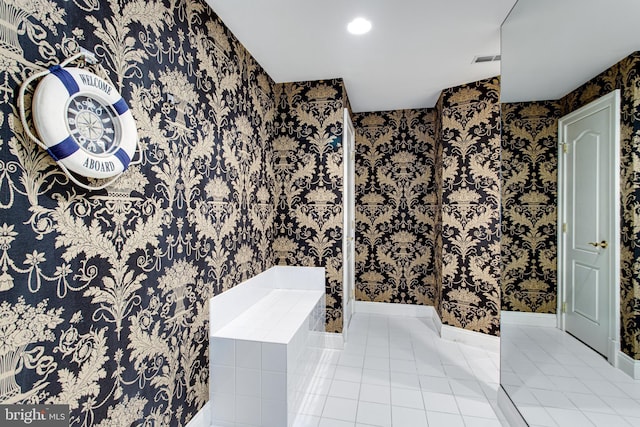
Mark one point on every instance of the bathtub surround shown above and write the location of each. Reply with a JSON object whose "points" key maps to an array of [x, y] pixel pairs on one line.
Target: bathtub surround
{"points": [[266, 341], [529, 202]]}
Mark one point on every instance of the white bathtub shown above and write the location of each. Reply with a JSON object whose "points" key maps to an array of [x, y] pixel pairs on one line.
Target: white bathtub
{"points": [[266, 338]]}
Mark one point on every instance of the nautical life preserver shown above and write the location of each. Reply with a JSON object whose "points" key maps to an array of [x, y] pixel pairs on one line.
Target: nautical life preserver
{"points": [[84, 122]]}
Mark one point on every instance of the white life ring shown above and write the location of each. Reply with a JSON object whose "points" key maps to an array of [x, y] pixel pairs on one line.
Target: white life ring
{"points": [[84, 122]]}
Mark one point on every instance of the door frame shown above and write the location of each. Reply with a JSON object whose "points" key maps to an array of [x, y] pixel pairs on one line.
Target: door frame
{"points": [[348, 160], [611, 102]]}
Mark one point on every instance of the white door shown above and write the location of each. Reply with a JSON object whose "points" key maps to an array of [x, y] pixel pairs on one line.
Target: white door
{"points": [[349, 220], [588, 186]]}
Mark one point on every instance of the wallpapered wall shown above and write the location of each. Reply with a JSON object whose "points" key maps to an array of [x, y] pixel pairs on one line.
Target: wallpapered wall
{"points": [[529, 200], [395, 206], [625, 76], [307, 159], [104, 296], [469, 187], [428, 206], [526, 125]]}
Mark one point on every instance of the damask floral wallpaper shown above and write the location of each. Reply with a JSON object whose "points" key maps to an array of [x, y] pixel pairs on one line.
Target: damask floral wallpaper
{"points": [[307, 161], [625, 75], [104, 295], [468, 138], [529, 205], [395, 206], [428, 206], [531, 129]]}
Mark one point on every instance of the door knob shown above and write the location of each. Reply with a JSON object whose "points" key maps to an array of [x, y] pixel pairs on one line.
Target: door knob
{"points": [[602, 244]]}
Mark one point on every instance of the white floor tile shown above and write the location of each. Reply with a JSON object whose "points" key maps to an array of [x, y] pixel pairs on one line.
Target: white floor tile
{"points": [[319, 385], [376, 363], [377, 351], [481, 422], [536, 415], [569, 384], [458, 372], [633, 421], [604, 388], [400, 365], [630, 387], [569, 417], [351, 360], [435, 384], [440, 402], [469, 388], [430, 369], [590, 402], [396, 371], [553, 399], [599, 394], [623, 406], [328, 422], [444, 419], [348, 373], [411, 398], [475, 407], [313, 404], [306, 421], [401, 353], [375, 393], [607, 420], [401, 416], [403, 380], [371, 376], [346, 389], [340, 409], [375, 414], [522, 396]]}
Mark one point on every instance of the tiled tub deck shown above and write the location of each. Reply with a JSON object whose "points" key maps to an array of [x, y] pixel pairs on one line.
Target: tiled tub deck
{"points": [[267, 336]]}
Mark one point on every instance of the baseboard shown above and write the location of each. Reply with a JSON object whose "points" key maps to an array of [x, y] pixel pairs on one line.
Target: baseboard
{"points": [[202, 418], [333, 341], [472, 338], [390, 309], [436, 321], [509, 411], [475, 339], [528, 319], [629, 366]]}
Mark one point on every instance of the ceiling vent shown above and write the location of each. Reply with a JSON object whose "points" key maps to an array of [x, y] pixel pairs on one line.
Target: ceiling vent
{"points": [[481, 59]]}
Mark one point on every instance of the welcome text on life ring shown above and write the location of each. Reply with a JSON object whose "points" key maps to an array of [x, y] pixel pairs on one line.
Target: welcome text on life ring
{"points": [[84, 122]]}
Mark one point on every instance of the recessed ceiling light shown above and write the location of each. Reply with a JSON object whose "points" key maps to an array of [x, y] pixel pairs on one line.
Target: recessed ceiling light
{"points": [[359, 26]]}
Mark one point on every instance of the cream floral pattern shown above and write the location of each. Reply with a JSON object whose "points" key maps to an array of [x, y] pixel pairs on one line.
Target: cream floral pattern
{"points": [[529, 170], [395, 204], [469, 198], [105, 294], [307, 162], [529, 206]]}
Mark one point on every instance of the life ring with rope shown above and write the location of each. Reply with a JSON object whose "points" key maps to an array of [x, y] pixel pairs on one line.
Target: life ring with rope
{"points": [[83, 122]]}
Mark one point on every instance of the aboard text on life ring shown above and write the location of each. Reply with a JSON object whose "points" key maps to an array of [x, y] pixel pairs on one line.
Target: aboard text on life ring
{"points": [[84, 122]]}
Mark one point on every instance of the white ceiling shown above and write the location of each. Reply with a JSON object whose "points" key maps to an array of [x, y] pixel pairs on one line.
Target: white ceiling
{"points": [[415, 49], [550, 47]]}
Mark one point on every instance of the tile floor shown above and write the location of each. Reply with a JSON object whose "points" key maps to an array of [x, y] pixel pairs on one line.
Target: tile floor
{"points": [[557, 381], [397, 371]]}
